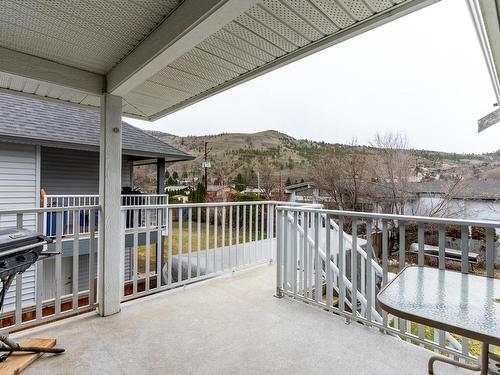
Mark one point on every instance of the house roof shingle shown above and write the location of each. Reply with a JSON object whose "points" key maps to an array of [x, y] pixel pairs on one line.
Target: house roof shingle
{"points": [[55, 125]]}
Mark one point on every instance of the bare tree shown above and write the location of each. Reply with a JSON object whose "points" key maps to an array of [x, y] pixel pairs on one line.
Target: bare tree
{"points": [[392, 167], [341, 174], [268, 181]]}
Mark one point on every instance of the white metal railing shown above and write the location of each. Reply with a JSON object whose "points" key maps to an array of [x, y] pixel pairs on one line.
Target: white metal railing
{"points": [[73, 200], [318, 262], [204, 240], [213, 238], [58, 286]]}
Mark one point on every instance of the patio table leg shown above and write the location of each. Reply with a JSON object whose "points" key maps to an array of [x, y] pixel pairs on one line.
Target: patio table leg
{"points": [[483, 360]]}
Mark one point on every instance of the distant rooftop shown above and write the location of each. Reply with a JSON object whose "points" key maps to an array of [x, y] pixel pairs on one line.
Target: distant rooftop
{"points": [[488, 189], [56, 125]]}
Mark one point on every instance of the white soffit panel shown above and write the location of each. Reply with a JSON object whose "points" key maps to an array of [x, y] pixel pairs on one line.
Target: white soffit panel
{"points": [[87, 34], [30, 87], [268, 35], [100, 38]]}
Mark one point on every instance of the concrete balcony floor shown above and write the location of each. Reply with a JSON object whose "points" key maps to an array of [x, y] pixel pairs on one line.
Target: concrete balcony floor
{"points": [[226, 325]]}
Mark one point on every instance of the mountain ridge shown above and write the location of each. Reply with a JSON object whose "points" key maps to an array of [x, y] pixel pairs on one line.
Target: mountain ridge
{"points": [[289, 158]]}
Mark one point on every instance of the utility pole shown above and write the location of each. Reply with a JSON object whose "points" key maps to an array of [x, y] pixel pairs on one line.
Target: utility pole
{"points": [[205, 165]]}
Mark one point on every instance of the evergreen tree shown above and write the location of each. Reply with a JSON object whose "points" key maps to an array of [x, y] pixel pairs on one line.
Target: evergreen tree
{"points": [[240, 183]]}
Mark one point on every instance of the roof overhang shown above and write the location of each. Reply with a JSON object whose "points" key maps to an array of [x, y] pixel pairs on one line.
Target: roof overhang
{"points": [[142, 157], [197, 50], [485, 15]]}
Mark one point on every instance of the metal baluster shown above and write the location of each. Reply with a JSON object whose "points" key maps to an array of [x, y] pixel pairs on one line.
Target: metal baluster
{"points": [[300, 242], [421, 254], [179, 248], [170, 255], [159, 245], [148, 249], [442, 244], [230, 236], [294, 253], [58, 262], [421, 233], [490, 252], [385, 266], [237, 235], [250, 221], [306, 254], [76, 258], [223, 239], [215, 239], [19, 280], [285, 250], [317, 260], [354, 268], [279, 264], [135, 250], [39, 272], [243, 234], [439, 335], [262, 218], [464, 246], [256, 243], [198, 241], [207, 238], [328, 251], [402, 256], [190, 233], [270, 230], [341, 262], [92, 249], [369, 256], [312, 257]]}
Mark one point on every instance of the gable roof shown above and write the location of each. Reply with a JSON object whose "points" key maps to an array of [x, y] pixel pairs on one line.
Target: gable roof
{"points": [[56, 125], [472, 188]]}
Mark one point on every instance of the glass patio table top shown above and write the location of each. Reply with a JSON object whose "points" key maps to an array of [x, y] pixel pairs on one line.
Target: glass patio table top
{"points": [[460, 303]]}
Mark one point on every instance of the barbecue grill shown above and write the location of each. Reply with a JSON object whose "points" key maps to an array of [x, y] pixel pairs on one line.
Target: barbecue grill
{"points": [[19, 250]]}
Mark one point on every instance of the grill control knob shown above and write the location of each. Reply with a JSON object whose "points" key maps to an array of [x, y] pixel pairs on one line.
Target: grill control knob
{"points": [[21, 258], [3, 264]]}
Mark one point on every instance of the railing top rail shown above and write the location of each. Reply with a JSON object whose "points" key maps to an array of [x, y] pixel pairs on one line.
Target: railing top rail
{"points": [[47, 209], [71, 195], [218, 204], [144, 195], [368, 215], [97, 195]]}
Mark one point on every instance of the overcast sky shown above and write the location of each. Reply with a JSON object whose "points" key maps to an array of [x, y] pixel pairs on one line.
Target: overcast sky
{"points": [[423, 75]]}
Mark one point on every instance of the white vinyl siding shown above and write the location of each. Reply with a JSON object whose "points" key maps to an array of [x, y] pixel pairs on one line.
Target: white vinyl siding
{"points": [[67, 171], [18, 190]]}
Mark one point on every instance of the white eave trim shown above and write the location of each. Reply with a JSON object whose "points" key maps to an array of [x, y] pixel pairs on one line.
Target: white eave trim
{"points": [[485, 15], [39, 69], [185, 28]]}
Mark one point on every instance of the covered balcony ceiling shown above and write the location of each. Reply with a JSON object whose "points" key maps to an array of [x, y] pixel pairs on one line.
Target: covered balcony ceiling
{"points": [[163, 55]]}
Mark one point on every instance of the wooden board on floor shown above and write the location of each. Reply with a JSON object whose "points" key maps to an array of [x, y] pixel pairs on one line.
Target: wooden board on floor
{"points": [[17, 362]]}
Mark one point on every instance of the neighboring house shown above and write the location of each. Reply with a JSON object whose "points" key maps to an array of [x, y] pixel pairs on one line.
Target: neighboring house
{"points": [[220, 193], [252, 190], [176, 188], [474, 199], [56, 148]]}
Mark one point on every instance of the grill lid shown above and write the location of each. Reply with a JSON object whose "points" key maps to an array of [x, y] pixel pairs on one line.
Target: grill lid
{"points": [[11, 238]]}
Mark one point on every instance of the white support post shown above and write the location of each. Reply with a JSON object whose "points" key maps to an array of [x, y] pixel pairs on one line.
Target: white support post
{"points": [[110, 251]]}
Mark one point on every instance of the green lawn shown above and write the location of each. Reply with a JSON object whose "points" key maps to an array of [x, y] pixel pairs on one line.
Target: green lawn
{"points": [[194, 240]]}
